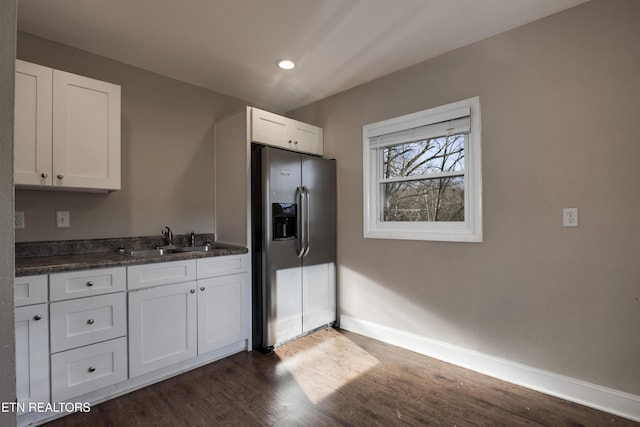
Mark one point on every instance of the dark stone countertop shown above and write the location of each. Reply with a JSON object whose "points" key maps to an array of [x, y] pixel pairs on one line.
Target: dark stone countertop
{"points": [[100, 254]]}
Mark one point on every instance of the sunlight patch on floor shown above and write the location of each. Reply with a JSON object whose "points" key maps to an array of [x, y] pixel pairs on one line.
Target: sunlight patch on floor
{"points": [[321, 366]]}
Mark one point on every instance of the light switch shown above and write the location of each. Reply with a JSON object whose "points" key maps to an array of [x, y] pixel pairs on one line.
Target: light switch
{"points": [[63, 219], [19, 220]]}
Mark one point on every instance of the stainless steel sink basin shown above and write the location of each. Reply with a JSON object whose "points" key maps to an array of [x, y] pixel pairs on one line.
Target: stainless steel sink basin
{"points": [[165, 250]]}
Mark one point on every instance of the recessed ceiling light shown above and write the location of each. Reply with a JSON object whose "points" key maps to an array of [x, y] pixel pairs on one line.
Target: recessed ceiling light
{"points": [[285, 64]]}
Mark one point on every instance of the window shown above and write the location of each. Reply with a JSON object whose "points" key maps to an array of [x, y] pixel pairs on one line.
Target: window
{"points": [[422, 175]]}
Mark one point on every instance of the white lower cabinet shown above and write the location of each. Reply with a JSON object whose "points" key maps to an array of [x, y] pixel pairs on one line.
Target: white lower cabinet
{"points": [[174, 322], [32, 353], [162, 327], [89, 334], [85, 369], [223, 305]]}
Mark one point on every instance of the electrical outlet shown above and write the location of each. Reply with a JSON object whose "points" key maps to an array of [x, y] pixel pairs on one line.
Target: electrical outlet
{"points": [[19, 220], [63, 219], [570, 217]]}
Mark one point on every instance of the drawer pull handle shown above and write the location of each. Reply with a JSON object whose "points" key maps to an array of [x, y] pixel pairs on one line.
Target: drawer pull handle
{"points": [[92, 369], [90, 321], [202, 288], [193, 291], [89, 283], [37, 317]]}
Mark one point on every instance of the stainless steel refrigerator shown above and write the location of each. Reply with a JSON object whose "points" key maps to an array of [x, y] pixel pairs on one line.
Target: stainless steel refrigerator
{"points": [[293, 244]]}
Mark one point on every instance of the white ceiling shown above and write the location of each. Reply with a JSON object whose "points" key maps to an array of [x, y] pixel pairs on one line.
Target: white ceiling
{"points": [[230, 46]]}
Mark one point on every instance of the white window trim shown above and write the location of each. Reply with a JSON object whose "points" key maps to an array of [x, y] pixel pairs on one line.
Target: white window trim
{"points": [[468, 231]]}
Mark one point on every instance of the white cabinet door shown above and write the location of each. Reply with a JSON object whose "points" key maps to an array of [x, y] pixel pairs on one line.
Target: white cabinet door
{"points": [[162, 327], [273, 129], [269, 128], [32, 353], [223, 311], [33, 124], [307, 138], [86, 132]]}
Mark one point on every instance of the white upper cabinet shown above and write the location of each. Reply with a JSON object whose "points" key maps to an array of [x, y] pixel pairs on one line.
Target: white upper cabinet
{"points": [[273, 129], [86, 132], [33, 124], [67, 130]]}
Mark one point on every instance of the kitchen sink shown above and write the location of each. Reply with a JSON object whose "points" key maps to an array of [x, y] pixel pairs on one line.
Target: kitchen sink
{"points": [[165, 250]]}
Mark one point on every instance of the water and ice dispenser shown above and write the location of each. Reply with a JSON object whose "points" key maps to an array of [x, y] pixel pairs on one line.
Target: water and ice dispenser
{"points": [[285, 225]]}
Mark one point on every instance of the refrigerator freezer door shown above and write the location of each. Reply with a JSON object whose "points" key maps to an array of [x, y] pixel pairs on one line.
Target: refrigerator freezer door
{"points": [[319, 178], [318, 266]]}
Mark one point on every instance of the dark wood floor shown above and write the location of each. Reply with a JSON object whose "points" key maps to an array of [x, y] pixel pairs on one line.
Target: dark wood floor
{"points": [[336, 378]]}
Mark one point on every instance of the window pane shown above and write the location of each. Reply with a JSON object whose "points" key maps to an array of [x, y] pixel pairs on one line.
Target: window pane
{"points": [[444, 154], [440, 199]]}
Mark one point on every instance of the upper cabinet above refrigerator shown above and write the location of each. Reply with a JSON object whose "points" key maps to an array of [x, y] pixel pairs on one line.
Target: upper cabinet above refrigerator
{"points": [[272, 129], [234, 136]]}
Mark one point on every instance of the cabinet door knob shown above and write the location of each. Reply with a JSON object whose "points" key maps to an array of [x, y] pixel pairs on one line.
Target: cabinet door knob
{"points": [[44, 175], [92, 369], [60, 176], [295, 142], [202, 288], [89, 283], [91, 321], [37, 317], [193, 291], [290, 141]]}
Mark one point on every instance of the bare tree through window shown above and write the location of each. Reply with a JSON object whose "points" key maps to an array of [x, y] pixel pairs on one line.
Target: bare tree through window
{"points": [[424, 180]]}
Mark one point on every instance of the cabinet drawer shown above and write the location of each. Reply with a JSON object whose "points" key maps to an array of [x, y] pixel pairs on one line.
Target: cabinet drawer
{"points": [[83, 370], [86, 283], [222, 265], [30, 290], [147, 275], [86, 321]]}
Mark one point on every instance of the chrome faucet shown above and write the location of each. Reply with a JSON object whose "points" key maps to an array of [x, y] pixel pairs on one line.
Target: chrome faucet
{"points": [[166, 232]]}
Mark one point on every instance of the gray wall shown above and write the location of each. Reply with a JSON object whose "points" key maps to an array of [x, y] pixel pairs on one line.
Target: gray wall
{"points": [[7, 337], [559, 100], [167, 155]]}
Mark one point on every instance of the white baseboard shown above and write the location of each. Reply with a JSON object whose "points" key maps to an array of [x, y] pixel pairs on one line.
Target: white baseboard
{"points": [[592, 395]]}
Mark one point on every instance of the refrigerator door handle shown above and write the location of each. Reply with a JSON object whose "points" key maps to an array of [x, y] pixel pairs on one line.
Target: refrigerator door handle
{"points": [[307, 211], [301, 227]]}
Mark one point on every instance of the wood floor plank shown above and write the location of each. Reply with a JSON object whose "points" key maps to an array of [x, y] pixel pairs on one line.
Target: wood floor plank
{"points": [[336, 378]]}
